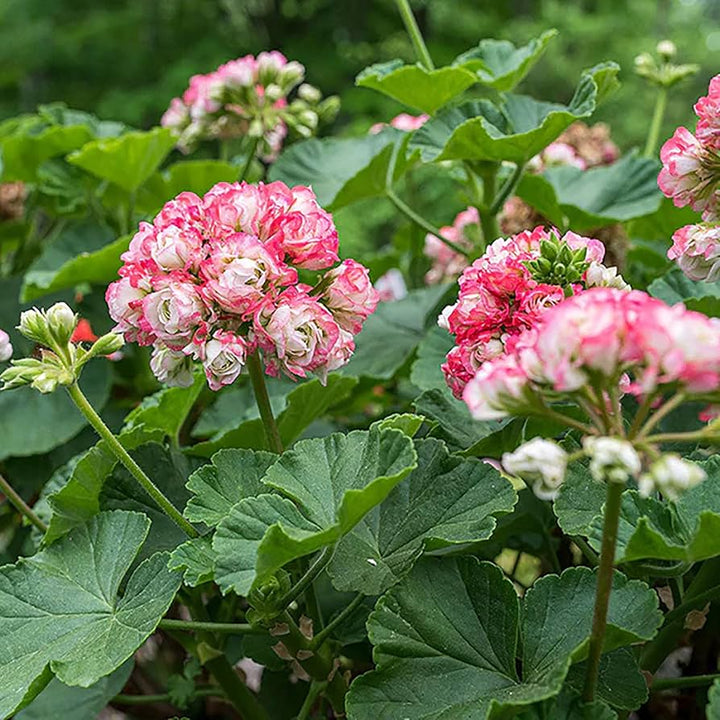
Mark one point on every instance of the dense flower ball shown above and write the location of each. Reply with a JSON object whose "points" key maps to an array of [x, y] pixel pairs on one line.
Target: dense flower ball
{"points": [[500, 298], [696, 249], [248, 97], [214, 279], [598, 336]]}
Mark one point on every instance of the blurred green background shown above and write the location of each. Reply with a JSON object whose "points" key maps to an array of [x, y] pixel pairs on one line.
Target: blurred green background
{"points": [[125, 59]]}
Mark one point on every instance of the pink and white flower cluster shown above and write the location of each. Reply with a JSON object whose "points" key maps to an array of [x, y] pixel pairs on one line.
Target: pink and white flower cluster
{"points": [[448, 264], [696, 248], [214, 279], [403, 121], [245, 97], [606, 337], [691, 163], [499, 300]]}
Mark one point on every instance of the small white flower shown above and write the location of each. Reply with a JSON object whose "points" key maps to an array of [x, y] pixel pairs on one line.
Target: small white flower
{"points": [[171, 367], [611, 459], [598, 275], [541, 463], [671, 475], [6, 348]]}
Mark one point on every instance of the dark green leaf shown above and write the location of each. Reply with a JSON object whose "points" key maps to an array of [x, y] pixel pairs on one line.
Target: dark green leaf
{"points": [[444, 501], [61, 608], [675, 287], [196, 559]]}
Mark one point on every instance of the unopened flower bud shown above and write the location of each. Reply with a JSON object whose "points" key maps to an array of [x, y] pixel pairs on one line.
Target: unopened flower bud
{"points": [[328, 109], [291, 75], [598, 275], [611, 459], [542, 463], [666, 49], [671, 475], [273, 93], [6, 348], [61, 322], [107, 344], [309, 93], [33, 326]]}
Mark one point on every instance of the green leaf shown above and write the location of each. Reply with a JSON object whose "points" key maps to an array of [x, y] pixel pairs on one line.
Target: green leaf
{"points": [[537, 192], [407, 423], [569, 706], [501, 65], [231, 476], [674, 287], [445, 501], [196, 176], [306, 403], [60, 608], [22, 154], [83, 253], [342, 170], [713, 708], [127, 161], [688, 530], [406, 322], [61, 701], [625, 190], [516, 131], [426, 373], [332, 481], [446, 639], [195, 558], [413, 85]]}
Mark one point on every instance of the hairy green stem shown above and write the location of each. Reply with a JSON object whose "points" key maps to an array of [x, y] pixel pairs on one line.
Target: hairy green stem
{"points": [[163, 697], [416, 37], [20, 505], [682, 682], [613, 503], [214, 627], [316, 687], [488, 219], [132, 467], [656, 124], [237, 692], [507, 189], [422, 222], [257, 378], [340, 618], [664, 410], [251, 156], [307, 579], [697, 435]]}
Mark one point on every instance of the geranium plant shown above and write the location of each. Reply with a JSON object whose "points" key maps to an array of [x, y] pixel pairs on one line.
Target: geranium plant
{"points": [[259, 468]]}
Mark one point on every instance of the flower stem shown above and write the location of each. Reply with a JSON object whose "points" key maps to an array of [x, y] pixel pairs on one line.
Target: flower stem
{"points": [[237, 692], [488, 218], [164, 697], [322, 636], [416, 37], [306, 580], [507, 189], [613, 504], [316, 687], [257, 378], [422, 222], [697, 435], [122, 455], [251, 156], [20, 505], [216, 627], [656, 124], [682, 682], [661, 412]]}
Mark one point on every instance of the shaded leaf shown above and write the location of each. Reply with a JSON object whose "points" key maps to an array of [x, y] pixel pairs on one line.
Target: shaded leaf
{"points": [[195, 558], [674, 287]]}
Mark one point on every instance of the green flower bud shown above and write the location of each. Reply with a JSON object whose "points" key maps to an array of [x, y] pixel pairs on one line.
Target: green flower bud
{"points": [[107, 345], [309, 93], [33, 326], [666, 49], [61, 322]]}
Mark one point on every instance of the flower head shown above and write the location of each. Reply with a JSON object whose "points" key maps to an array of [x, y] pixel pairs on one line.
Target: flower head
{"points": [[671, 475], [696, 249], [611, 459]]}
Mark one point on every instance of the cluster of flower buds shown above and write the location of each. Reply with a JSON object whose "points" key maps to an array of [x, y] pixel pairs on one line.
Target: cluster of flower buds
{"points": [[403, 121], [604, 338], [214, 279], [248, 97], [508, 289], [691, 176], [542, 464], [61, 359], [661, 70]]}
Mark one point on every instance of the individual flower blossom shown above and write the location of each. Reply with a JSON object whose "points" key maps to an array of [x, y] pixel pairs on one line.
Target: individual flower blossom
{"points": [[391, 286], [6, 348], [214, 279], [249, 97], [611, 459], [690, 173], [350, 295], [403, 121], [542, 463], [171, 367], [447, 263], [502, 295], [499, 388], [671, 475], [696, 249], [223, 358], [599, 275], [707, 109]]}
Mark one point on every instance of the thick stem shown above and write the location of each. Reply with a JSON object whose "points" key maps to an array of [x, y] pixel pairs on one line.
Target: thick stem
{"points": [[257, 378], [251, 156], [164, 697], [682, 682], [316, 688], [416, 37], [237, 692], [422, 222], [215, 627], [132, 467], [613, 503], [20, 505], [656, 124]]}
